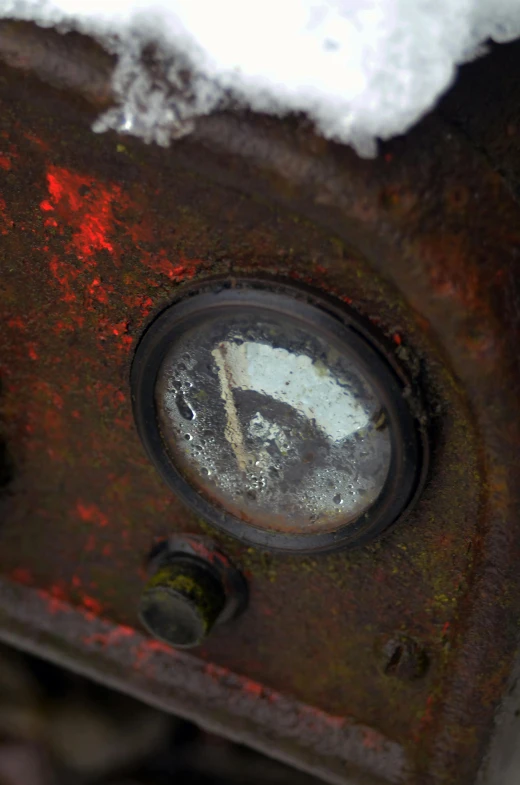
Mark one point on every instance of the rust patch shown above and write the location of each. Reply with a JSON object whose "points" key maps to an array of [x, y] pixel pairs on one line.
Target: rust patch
{"points": [[95, 243]]}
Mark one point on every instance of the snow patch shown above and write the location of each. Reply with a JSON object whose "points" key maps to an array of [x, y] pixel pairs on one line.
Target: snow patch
{"points": [[359, 69]]}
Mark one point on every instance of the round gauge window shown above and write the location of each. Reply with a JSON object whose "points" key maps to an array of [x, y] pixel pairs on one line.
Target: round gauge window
{"points": [[275, 417]]}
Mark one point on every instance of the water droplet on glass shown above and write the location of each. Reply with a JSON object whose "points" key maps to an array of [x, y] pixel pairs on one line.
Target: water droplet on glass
{"points": [[337, 499], [188, 437], [184, 408]]}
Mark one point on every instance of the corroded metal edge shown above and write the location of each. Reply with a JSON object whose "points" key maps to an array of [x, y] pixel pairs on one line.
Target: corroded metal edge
{"points": [[339, 751], [70, 62]]}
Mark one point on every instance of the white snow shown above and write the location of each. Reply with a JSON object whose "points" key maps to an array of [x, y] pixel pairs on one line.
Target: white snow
{"points": [[360, 69]]}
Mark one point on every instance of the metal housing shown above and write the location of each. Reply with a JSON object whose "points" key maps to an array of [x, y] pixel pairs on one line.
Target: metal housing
{"points": [[99, 234]]}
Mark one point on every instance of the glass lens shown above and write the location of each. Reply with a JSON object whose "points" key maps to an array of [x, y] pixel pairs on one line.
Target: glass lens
{"points": [[274, 423]]}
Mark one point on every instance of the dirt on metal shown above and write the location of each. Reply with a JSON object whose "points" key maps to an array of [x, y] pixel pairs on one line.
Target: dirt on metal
{"points": [[98, 234]]}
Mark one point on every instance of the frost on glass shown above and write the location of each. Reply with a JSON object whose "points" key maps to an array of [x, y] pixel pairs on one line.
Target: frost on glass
{"points": [[272, 424]]}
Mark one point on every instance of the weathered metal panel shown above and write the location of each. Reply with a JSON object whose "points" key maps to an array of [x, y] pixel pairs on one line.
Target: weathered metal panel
{"points": [[98, 233]]}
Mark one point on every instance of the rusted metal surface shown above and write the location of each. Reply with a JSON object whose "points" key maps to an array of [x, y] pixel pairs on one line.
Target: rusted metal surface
{"points": [[329, 746], [98, 234], [70, 62]]}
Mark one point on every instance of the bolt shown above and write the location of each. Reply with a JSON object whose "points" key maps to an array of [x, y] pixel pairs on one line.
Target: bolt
{"points": [[182, 602]]}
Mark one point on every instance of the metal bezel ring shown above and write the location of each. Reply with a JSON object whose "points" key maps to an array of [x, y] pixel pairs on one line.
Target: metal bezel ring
{"points": [[409, 443]]}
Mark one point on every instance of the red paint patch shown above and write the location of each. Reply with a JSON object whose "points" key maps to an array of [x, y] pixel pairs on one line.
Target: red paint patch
{"points": [[142, 303], [5, 162], [109, 331], [54, 604], [147, 649], [397, 339], [58, 591], [18, 323], [107, 396], [21, 575], [159, 646], [65, 274], [31, 137], [84, 204], [178, 270], [69, 326], [110, 638], [253, 688], [91, 604], [90, 513], [6, 224], [99, 292]]}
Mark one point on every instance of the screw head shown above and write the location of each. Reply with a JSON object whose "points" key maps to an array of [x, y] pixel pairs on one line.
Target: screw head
{"points": [[182, 601], [404, 658]]}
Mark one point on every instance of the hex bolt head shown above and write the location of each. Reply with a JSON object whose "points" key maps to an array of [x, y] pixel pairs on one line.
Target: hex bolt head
{"points": [[189, 592]]}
